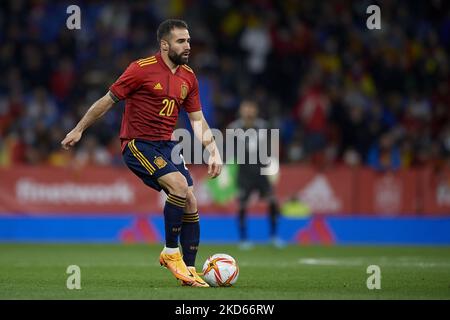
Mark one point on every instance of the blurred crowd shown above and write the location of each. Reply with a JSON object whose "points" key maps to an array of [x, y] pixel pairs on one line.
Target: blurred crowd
{"points": [[339, 92]]}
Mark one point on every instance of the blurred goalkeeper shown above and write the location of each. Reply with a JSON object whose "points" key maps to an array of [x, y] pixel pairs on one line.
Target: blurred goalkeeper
{"points": [[249, 177], [155, 89]]}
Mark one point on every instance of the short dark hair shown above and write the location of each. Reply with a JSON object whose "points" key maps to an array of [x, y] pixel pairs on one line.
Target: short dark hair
{"points": [[250, 100], [168, 25]]}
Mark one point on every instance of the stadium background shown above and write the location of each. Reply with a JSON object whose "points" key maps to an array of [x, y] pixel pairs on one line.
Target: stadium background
{"points": [[363, 116]]}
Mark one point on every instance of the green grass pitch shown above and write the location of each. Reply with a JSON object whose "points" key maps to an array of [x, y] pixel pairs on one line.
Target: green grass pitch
{"points": [[38, 271]]}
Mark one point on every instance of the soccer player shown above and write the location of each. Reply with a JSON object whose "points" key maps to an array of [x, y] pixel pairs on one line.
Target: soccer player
{"points": [[155, 89], [249, 178]]}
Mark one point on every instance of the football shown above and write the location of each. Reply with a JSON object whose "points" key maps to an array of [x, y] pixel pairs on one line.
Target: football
{"points": [[220, 270]]}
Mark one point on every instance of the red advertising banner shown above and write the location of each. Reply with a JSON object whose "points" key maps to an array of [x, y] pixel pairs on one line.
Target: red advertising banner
{"points": [[340, 190], [328, 191], [46, 190], [436, 191], [390, 193]]}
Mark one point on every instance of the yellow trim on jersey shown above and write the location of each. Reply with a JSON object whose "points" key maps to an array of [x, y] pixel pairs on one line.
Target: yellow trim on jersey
{"points": [[147, 61], [152, 58], [142, 159], [146, 64], [187, 68]]}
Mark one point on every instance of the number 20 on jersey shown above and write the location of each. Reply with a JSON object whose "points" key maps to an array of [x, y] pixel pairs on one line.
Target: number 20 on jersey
{"points": [[167, 109]]}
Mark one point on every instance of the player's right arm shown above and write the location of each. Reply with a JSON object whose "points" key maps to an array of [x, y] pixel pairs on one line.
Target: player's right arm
{"points": [[96, 111], [127, 83]]}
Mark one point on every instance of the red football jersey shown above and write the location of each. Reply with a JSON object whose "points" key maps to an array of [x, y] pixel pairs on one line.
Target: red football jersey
{"points": [[153, 97]]}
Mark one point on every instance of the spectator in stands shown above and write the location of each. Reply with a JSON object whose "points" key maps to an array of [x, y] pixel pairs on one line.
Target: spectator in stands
{"points": [[399, 78], [384, 155]]}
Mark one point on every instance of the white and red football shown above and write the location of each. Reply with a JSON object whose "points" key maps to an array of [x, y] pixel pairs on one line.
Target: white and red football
{"points": [[220, 270]]}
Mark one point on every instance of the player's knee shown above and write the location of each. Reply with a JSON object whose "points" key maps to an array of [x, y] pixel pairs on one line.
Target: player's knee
{"points": [[178, 186], [191, 202]]}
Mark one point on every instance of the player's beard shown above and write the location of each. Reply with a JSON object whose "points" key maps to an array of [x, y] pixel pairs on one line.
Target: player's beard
{"points": [[178, 59]]}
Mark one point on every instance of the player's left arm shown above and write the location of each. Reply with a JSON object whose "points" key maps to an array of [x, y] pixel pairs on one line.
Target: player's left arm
{"points": [[203, 133]]}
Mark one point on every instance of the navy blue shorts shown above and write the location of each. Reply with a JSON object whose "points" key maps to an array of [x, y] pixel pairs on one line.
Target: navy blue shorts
{"points": [[150, 160]]}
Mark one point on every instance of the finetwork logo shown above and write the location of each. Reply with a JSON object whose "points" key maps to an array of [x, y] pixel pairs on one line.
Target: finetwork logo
{"points": [[319, 195], [118, 192]]}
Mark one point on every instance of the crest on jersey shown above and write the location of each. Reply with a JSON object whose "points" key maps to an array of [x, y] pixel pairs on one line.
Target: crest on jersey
{"points": [[160, 162], [184, 91]]}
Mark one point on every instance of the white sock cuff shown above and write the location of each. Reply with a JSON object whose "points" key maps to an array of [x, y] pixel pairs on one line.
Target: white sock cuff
{"points": [[171, 250]]}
